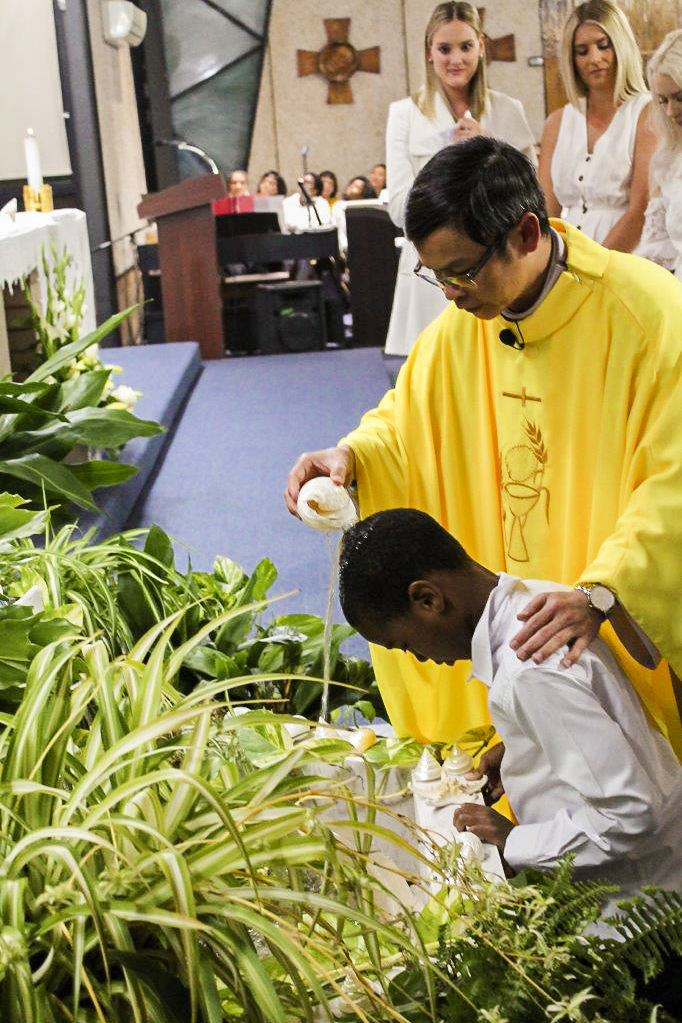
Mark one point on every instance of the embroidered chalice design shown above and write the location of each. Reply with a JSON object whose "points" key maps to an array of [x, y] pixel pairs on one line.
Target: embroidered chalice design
{"points": [[522, 475]]}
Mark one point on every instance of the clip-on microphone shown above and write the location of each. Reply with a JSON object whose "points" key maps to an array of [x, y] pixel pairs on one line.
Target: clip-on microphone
{"points": [[509, 338]]}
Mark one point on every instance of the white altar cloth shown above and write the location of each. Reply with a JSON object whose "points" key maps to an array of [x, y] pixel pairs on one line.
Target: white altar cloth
{"points": [[23, 240]]}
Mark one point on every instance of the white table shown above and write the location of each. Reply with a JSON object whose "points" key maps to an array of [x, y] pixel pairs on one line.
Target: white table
{"points": [[22, 243]]}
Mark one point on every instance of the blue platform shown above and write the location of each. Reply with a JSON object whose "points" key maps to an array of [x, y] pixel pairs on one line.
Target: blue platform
{"points": [[166, 375]]}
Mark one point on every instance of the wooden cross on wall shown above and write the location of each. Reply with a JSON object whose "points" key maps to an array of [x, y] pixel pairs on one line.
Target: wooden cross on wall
{"points": [[503, 48], [338, 60]]}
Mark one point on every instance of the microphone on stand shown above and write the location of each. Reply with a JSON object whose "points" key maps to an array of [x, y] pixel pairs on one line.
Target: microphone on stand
{"points": [[304, 150], [309, 200], [185, 146], [509, 338]]}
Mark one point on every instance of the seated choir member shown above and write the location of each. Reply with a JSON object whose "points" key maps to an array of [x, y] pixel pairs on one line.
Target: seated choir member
{"points": [[330, 187], [377, 177], [359, 187], [303, 215], [238, 183], [272, 183]]}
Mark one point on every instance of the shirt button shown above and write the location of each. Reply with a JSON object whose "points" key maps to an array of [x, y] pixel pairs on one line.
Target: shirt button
{"points": [[580, 178]]}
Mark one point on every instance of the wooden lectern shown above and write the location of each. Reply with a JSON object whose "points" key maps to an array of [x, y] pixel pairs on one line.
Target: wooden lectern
{"points": [[190, 274]]}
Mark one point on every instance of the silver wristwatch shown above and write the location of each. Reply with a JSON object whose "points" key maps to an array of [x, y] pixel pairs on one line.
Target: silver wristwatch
{"points": [[599, 597]]}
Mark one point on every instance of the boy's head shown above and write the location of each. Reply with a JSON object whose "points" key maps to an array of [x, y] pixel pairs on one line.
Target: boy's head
{"points": [[406, 583]]}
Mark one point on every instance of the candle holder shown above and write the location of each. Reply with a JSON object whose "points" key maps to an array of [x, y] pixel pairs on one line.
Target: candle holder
{"points": [[38, 201]]}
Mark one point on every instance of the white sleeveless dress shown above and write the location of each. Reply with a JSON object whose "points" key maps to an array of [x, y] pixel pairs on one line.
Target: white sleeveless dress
{"points": [[593, 188]]}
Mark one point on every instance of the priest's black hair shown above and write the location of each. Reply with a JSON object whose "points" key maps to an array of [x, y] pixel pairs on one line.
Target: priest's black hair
{"points": [[482, 187], [382, 554]]}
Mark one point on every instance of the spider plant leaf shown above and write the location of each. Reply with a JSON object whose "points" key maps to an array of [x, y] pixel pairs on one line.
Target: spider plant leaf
{"points": [[183, 794], [210, 997], [171, 994], [177, 873]]}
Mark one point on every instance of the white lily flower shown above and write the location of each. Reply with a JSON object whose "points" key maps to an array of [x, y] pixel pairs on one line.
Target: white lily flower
{"points": [[126, 395]]}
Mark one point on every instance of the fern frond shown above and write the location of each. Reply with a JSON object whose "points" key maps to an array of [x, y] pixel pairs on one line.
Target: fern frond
{"points": [[651, 927]]}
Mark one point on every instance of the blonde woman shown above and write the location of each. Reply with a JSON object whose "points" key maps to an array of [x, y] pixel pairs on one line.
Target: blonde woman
{"points": [[595, 152], [662, 234], [455, 103]]}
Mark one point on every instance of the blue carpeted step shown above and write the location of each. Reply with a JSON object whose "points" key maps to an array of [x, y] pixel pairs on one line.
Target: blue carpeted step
{"points": [[165, 374]]}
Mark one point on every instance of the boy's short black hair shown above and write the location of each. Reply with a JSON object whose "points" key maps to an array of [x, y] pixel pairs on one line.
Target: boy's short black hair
{"points": [[382, 554], [481, 186]]}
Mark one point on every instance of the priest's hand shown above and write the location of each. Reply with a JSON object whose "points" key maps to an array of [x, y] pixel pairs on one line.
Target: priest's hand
{"points": [[337, 463], [487, 824], [554, 620], [490, 764]]}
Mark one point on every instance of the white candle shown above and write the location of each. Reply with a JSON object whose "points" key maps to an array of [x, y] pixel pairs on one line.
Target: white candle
{"points": [[34, 175]]}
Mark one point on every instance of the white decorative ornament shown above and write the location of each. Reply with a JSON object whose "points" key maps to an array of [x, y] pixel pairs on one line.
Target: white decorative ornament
{"points": [[326, 506], [470, 847], [124, 23], [457, 763]]}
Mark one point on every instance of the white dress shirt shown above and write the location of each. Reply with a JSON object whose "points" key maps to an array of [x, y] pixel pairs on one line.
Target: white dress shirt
{"points": [[583, 769]]}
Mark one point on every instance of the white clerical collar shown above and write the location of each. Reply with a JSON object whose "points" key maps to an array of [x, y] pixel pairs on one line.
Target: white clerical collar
{"points": [[557, 265]]}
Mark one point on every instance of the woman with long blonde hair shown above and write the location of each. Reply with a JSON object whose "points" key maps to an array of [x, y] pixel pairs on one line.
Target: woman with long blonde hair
{"points": [[455, 103], [662, 234], [595, 152]]}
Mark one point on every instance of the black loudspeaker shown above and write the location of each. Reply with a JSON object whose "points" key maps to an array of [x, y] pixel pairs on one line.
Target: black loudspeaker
{"points": [[290, 317]]}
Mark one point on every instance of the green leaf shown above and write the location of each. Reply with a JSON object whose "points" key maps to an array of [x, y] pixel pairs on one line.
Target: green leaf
{"points": [[159, 546], [56, 478], [95, 427], [86, 389], [170, 992], [229, 573], [68, 353], [102, 472], [17, 522], [16, 405], [257, 586]]}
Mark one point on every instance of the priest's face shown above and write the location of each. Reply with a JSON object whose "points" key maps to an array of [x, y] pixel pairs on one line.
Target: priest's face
{"points": [[484, 281]]}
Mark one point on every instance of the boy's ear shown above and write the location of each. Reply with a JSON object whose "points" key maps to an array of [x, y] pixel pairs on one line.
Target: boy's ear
{"points": [[426, 597]]}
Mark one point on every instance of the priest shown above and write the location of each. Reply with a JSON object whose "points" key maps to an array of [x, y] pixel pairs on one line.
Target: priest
{"points": [[537, 419]]}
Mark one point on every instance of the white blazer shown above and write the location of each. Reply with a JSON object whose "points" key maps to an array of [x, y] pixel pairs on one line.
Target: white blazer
{"points": [[411, 140]]}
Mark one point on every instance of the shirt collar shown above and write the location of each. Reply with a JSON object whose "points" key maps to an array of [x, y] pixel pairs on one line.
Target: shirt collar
{"points": [[488, 638]]}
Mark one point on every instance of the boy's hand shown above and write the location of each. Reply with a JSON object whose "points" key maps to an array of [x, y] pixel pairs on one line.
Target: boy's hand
{"points": [[490, 764], [488, 825]]}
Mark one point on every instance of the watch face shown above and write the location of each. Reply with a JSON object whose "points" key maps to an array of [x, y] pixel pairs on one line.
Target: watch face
{"points": [[602, 598]]}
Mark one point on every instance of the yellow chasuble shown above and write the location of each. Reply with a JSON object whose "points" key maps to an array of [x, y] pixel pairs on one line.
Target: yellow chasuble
{"points": [[561, 461]]}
